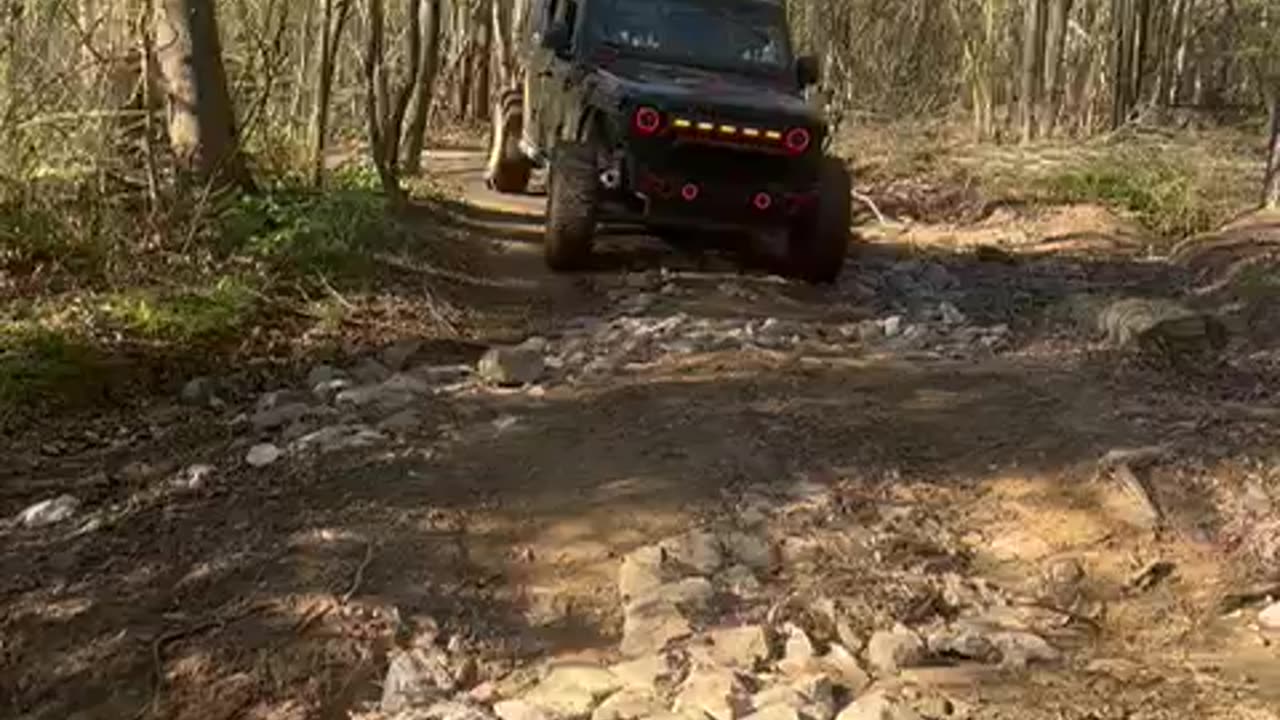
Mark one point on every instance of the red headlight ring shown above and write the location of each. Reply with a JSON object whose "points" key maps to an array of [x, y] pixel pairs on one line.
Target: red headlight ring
{"points": [[647, 121], [797, 140]]}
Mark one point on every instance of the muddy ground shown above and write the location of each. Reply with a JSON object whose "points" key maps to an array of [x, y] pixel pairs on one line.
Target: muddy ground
{"points": [[946, 405]]}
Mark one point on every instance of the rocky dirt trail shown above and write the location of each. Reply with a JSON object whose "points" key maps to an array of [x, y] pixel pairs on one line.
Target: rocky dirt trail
{"points": [[671, 488]]}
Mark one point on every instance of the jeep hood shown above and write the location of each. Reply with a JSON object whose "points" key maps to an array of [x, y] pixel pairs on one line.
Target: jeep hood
{"points": [[705, 91]]}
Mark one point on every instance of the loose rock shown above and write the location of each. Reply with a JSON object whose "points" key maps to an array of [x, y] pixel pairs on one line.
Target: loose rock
{"points": [[1269, 617], [49, 512], [519, 710], [844, 668], [569, 692], [509, 366], [445, 710], [699, 550], [642, 571], [628, 704], [738, 647], [650, 625], [263, 455], [370, 372], [277, 417], [322, 374], [646, 672], [396, 356], [878, 705], [416, 677], [199, 391], [890, 651], [193, 477], [754, 551], [1020, 649], [718, 692]]}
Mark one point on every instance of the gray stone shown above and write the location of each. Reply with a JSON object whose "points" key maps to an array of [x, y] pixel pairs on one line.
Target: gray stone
{"points": [[392, 394], [275, 417], [402, 422], [327, 390], [323, 374], [442, 374], [962, 641], [519, 710], [1269, 617], [339, 437], [370, 372], [753, 550], [510, 366], [397, 355], [1019, 649], [738, 647], [692, 594], [193, 477], [651, 624], [740, 581], [263, 455], [891, 326], [199, 391], [718, 692], [698, 550], [951, 315], [49, 512], [629, 704], [878, 705], [414, 678], [890, 651]]}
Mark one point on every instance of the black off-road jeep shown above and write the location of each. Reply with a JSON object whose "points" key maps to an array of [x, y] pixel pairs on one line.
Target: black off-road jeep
{"points": [[682, 116]]}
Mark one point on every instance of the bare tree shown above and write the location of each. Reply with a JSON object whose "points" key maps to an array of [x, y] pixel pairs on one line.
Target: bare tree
{"points": [[202, 129], [385, 105], [333, 20], [426, 87]]}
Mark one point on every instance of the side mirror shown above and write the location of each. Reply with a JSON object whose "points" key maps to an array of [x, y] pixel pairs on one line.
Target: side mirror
{"points": [[807, 70], [558, 38]]}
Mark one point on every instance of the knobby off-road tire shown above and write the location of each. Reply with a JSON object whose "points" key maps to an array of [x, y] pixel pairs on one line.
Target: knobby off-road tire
{"points": [[571, 206], [508, 169], [819, 241]]}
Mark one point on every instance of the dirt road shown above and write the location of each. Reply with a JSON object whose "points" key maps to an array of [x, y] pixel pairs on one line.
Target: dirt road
{"points": [[938, 414]]}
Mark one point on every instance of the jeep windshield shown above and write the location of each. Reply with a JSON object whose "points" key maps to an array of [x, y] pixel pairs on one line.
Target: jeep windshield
{"points": [[741, 35]]}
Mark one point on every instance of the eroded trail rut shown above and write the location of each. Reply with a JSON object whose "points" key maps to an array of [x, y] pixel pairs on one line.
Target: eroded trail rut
{"points": [[881, 499]]}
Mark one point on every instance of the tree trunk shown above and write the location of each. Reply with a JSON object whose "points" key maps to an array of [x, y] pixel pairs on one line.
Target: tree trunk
{"points": [[1055, 46], [1030, 78], [422, 99], [385, 112], [333, 21], [1271, 185], [202, 130]]}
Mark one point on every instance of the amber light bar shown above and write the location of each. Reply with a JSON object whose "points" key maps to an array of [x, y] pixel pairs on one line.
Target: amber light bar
{"points": [[795, 140]]}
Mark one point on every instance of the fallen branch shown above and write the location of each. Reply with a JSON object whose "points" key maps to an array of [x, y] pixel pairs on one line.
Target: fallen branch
{"points": [[866, 200], [358, 580], [158, 646]]}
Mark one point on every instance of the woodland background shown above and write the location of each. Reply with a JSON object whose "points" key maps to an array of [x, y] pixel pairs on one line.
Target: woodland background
{"points": [[174, 174]]}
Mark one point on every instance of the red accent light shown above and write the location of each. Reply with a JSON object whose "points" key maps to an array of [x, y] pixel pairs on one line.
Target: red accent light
{"points": [[689, 192], [762, 201], [647, 121], [797, 140]]}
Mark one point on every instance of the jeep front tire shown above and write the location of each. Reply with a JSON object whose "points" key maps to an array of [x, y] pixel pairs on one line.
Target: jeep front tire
{"points": [[508, 170], [818, 242], [571, 206]]}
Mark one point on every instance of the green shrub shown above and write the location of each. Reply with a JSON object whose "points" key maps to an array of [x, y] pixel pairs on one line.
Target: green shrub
{"points": [[1165, 192]]}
